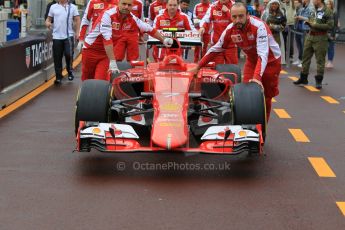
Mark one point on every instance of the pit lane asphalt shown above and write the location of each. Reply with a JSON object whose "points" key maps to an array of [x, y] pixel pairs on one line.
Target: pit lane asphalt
{"points": [[43, 185]]}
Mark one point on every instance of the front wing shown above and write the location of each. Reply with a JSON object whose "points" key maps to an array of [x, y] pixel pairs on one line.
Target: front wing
{"points": [[217, 139]]}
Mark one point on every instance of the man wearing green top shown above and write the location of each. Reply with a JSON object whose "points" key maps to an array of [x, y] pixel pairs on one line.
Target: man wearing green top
{"points": [[316, 42]]}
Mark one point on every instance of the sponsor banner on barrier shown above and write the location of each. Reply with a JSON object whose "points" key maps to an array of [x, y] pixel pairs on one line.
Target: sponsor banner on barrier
{"points": [[24, 57]]}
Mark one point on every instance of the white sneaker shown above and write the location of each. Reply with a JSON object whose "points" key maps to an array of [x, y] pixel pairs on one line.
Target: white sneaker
{"points": [[299, 65], [297, 62]]}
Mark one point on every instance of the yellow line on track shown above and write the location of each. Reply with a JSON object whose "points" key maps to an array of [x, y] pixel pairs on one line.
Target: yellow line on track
{"points": [[283, 72], [28, 97], [293, 78], [299, 135], [281, 113], [341, 206], [311, 88], [330, 100], [321, 167]]}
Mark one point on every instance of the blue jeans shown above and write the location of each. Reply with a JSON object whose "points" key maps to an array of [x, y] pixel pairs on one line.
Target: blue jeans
{"points": [[299, 42], [330, 54]]}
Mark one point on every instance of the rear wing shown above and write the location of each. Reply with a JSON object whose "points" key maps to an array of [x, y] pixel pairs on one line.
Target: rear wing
{"points": [[187, 38]]}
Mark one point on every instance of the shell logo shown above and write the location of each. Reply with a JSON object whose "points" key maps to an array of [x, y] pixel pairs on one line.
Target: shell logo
{"points": [[170, 107], [170, 124]]}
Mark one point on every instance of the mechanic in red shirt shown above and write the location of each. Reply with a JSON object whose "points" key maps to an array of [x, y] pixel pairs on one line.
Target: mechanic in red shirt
{"points": [[137, 9], [155, 8], [93, 10], [199, 12], [128, 42], [171, 17], [99, 53], [218, 15], [252, 35]]}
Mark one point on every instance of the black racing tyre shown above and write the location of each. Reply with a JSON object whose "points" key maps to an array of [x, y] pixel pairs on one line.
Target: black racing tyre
{"points": [[248, 105], [123, 65], [231, 68], [93, 102]]}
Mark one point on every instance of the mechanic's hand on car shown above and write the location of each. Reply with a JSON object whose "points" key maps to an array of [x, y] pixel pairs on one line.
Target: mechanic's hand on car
{"points": [[202, 30], [168, 42], [194, 70], [113, 67], [257, 82]]}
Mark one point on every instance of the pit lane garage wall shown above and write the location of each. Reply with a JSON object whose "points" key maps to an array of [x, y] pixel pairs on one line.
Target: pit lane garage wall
{"points": [[25, 64]]}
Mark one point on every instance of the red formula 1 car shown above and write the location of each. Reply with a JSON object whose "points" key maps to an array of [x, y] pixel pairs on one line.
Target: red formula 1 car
{"points": [[163, 107]]}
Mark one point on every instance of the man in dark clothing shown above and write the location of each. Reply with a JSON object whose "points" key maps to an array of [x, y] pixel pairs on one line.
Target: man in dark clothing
{"points": [[47, 10]]}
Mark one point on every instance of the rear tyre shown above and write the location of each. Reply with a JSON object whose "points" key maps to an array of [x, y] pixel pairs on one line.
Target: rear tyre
{"points": [[230, 68], [93, 102], [248, 105]]}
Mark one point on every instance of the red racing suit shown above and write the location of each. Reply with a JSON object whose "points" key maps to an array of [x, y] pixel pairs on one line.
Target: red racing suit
{"points": [[219, 20], [154, 9], [199, 12], [93, 10], [163, 20], [95, 62], [263, 54]]}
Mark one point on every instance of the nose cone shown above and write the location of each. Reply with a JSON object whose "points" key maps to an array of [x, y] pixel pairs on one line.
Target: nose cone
{"points": [[170, 141]]}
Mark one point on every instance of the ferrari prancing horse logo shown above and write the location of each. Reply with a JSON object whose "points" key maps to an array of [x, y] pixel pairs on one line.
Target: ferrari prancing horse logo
{"points": [[236, 38]]}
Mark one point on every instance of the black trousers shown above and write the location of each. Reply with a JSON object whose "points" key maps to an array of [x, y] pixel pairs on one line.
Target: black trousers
{"points": [[62, 48], [285, 36]]}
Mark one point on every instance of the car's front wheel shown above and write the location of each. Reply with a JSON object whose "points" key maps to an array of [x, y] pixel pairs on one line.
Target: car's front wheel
{"points": [[93, 102]]}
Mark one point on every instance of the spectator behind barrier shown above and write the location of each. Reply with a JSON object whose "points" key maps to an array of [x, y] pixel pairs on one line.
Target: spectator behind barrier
{"points": [[290, 11], [299, 36], [276, 20], [332, 35], [304, 14], [258, 9]]}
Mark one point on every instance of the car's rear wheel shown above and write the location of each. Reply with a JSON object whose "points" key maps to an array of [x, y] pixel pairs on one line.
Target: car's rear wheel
{"points": [[93, 102], [248, 105], [230, 68]]}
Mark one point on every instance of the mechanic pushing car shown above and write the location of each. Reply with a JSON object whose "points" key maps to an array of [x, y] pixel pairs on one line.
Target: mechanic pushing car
{"points": [[93, 10], [253, 36], [219, 16], [98, 55], [171, 17], [200, 10]]}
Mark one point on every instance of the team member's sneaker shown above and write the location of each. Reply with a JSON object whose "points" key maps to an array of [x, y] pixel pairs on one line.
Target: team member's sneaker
{"points": [[329, 65], [57, 81], [297, 62], [70, 77]]}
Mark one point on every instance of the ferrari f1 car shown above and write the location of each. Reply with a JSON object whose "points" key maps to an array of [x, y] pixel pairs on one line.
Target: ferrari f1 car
{"points": [[163, 107]]}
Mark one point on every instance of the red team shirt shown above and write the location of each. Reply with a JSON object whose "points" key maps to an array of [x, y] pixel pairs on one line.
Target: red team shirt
{"points": [[154, 9], [137, 8], [181, 20], [94, 9], [217, 18], [200, 10]]}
